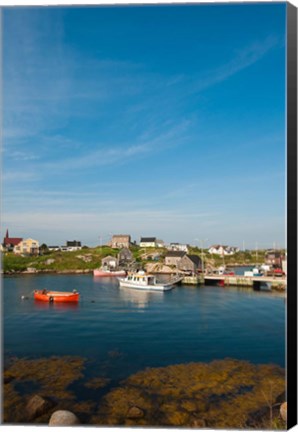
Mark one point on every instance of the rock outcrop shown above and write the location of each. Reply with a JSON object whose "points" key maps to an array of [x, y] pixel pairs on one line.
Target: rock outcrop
{"points": [[37, 406]]}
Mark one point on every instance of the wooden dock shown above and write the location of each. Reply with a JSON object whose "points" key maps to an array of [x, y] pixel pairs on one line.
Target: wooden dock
{"points": [[252, 281]]}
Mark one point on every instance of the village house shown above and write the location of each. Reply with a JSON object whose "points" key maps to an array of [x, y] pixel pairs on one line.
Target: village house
{"points": [[148, 242], [160, 243], [190, 263], [125, 256], [10, 242], [109, 262], [172, 258], [28, 246], [71, 246], [120, 241], [54, 248], [274, 258], [223, 250], [178, 247]]}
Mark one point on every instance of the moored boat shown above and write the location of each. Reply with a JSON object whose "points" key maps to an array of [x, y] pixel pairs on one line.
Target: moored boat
{"points": [[108, 273], [56, 296], [143, 281]]}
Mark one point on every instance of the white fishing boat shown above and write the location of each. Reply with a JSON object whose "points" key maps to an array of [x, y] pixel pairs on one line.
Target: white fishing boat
{"points": [[144, 281]]}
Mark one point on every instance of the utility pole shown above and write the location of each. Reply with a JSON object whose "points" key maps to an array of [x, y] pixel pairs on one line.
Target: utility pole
{"points": [[202, 253]]}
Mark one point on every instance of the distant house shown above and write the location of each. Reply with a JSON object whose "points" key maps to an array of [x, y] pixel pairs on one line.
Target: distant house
{"points": [[160, 243], [178, 247], [54, 248], [223, 250], [125, 256], [73, 243], [148, 242], [274, 258], [109, 262], [190, 263], [10, 242], [172, 258], [120, 241], [71, 246], [28, 246]]}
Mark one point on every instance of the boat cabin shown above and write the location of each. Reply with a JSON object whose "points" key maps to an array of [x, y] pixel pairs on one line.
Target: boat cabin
{"points": [[142, 279]]}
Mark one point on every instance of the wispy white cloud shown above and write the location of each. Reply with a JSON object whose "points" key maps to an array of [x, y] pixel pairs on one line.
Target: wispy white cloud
{"points": [[22, 156], [20, 176], [242, 59]]}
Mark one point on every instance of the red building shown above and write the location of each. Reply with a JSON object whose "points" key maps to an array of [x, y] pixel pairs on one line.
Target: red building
{"points": [[10, 242]]}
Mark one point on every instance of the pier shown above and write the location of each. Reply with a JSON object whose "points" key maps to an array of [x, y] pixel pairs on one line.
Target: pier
{"points": [[251, 281], [255, 282]]}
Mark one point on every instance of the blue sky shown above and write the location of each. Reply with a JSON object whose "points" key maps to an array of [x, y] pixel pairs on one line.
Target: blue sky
{"points": [[164, 121]]}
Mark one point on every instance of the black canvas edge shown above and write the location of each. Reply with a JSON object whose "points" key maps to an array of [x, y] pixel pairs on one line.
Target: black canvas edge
{"points": [[291, 363]]}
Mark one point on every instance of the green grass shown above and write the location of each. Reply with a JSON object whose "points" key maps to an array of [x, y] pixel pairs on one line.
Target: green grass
{"points": [[63, 261], [70, 261]]}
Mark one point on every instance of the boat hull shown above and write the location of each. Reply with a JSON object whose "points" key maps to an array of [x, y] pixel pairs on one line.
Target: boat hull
{"points": [[129, 284], [104, 273], [56, 297]]}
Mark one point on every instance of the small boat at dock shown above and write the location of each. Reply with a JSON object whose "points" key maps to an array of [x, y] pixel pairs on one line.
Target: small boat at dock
{"points": [[143, 281], [102, 272], [56, 296]]}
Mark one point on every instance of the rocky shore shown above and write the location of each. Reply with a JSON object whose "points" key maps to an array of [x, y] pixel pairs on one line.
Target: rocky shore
{"points": [[222, 394]]}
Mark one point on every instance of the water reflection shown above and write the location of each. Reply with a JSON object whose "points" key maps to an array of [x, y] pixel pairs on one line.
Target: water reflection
{"points": [[139, 298], [39, 305]]}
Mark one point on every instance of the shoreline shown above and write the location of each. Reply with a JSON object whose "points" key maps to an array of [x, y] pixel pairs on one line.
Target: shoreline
{"points": [[90, 271]]}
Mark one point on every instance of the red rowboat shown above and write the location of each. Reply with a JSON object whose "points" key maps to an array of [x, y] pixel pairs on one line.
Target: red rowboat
{"points": [[56, 296]]}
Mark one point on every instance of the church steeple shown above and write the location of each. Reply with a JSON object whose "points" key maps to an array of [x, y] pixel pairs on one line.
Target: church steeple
{"points": [[7, 235]]}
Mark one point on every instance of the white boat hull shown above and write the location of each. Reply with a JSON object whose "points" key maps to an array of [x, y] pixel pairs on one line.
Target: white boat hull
{"points": [[135, 285]]}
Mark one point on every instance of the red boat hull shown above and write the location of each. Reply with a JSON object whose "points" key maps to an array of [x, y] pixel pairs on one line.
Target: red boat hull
{"points": [[56, 296]]}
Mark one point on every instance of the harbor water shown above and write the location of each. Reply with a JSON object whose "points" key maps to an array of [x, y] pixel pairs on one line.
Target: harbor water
{"points": [[122, 330]]}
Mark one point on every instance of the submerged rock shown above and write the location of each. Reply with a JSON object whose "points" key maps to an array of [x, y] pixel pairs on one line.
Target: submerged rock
{"points": [[135, 413], [37, 406], [63, 418]]}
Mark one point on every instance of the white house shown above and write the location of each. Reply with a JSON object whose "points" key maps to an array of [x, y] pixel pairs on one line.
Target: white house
{"points": [[148, 242], [223, 250], [178, 247]]}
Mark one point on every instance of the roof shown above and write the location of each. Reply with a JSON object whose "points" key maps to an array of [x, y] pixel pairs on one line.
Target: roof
{"points": [[148, 239], [176, 254], [194, 258], [121, 235], [12, 240], [109, 257]]}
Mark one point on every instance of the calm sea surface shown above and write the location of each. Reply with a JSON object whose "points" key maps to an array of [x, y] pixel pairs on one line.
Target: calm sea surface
{"points": [[123, 330]]}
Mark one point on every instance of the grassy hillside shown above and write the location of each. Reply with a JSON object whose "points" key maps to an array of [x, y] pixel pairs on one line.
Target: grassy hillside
{"points": [[85, 259], [90, 258]]}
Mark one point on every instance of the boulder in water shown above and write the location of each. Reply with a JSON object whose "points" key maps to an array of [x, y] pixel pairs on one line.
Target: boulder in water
{"points": [[283, 411], [63, 418]]}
